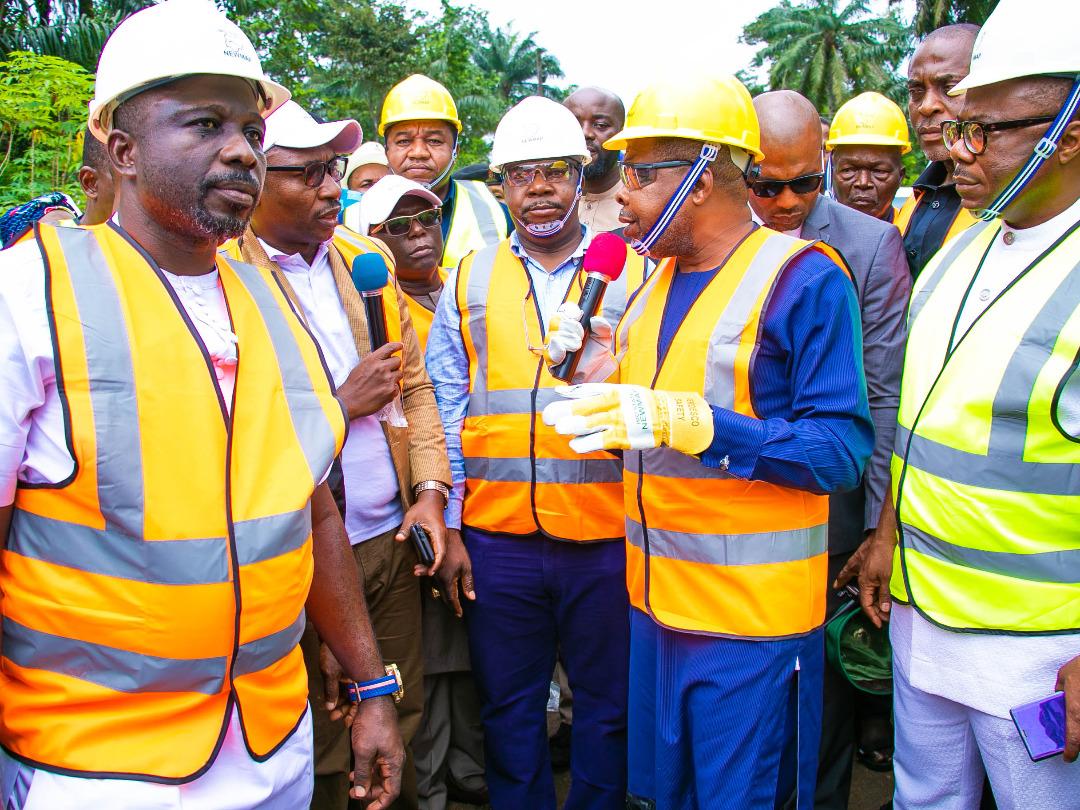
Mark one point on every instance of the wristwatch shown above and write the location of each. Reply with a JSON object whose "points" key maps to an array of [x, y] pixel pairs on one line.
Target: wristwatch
{"points": [[389, 684], [438, 486]]}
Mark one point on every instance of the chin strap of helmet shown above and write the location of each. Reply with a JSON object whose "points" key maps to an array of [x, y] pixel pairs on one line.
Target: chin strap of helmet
{"points": [[1046, 147], [675, 202]]}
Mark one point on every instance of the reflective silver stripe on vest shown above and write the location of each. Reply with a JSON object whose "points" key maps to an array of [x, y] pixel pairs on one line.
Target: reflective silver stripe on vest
{"points": [[261, 653], [664, 462], [112, 391], [509, 401], [548, 470], [313, 429], [1045, 566], [489, 230], [1001, 471], [113, 668], [1008, 428], [476, 293], [159, 562], [918, 300], [760, 548], [731, 323]]}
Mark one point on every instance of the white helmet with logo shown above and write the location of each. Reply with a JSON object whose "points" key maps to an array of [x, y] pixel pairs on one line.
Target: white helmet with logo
{"points": [[1024, 38], [537, 128], [173, 39]]}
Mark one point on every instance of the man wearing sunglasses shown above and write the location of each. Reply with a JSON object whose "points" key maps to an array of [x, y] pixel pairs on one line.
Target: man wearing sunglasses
{"points": [[933, 214], [449, 746], [420, 126], [392, 476], [543, 526], [983, 595], [741, 404], [790, 138]]}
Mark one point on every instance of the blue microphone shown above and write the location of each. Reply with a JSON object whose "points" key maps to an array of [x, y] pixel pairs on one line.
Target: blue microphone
{"points": [[369, 276]]}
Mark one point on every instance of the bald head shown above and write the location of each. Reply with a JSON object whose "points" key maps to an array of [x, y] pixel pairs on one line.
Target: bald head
{"points": [[791, 141], [601, 114], [956, 34]]}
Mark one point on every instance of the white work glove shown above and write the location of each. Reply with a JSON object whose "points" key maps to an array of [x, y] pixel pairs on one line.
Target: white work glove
{"points": [[605, 416], [566, 334]]}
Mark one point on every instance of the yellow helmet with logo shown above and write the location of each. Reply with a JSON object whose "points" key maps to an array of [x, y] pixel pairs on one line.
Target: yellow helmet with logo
{"points": [[712, 109], [869, 119], [418, 98]]}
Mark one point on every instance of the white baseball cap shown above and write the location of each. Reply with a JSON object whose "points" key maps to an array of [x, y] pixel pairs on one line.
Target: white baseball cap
{"points": [[293, 127], [368, 153], [379, 201]]}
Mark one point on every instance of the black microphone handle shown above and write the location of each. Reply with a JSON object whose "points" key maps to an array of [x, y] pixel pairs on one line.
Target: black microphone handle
{"points": [[592, 295], [376, 318]]}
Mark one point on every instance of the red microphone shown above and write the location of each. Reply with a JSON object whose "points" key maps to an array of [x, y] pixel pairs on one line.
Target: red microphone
{"points": [[603, 263]]}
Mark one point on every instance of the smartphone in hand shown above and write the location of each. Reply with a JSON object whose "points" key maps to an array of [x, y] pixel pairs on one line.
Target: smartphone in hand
{"points": [[1042, 726], [422, 543]]}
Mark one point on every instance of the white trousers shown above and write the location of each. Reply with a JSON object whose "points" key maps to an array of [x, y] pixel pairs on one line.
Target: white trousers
{"points": [[233, 782], [943, 749]]}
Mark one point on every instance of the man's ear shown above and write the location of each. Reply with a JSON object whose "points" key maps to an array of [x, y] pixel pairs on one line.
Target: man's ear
{"points": [[703, 187], [1069, 145], [122, 149], [88, 181]]}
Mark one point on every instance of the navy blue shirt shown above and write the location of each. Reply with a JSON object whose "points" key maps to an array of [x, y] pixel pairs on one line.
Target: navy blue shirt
{"points": [[806, 382]]}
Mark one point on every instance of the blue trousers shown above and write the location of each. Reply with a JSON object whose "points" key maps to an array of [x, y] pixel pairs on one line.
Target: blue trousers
{"points": [[536, 596], [723, 724]]}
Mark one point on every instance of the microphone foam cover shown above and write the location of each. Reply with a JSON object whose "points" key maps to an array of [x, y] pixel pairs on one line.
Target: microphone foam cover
{"points": [[606, 255], [369, 272]]}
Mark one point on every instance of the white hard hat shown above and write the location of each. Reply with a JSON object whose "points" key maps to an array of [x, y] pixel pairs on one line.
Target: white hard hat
{"points": [[1024, 38], [537, 128], [379, 201], [370, 152], [167, 41], [293, 127]]}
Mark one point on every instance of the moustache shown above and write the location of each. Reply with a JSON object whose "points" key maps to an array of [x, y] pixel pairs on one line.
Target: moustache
{"points": [[544, 206], [242, 181]]}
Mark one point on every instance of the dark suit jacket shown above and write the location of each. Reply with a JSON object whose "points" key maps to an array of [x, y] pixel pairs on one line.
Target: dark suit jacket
{"points": [[874, 252]]}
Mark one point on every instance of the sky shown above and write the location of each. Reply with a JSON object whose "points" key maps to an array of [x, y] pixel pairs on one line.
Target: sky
{"points": [[624, 46]]}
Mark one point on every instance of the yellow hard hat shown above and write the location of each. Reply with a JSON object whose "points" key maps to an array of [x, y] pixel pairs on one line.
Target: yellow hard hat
{"points": [[869, 119], [713, 109], [418, 98]]}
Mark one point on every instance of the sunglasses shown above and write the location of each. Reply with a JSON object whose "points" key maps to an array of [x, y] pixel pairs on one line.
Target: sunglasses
{"points": [[974, 132], [399, 226], [768, 189], [315, 173], [636, 176], [553, 171]]}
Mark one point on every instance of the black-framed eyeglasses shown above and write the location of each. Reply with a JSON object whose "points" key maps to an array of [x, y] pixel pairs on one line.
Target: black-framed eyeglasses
{"points": [[399, 226], [638, 175], [803, 184], [316, 171], [974, 132], [553, 171]]}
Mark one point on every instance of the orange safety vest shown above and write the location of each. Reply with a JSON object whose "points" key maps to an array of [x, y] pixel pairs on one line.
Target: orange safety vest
{"points": [[421, 316], [963, 219], [521, 477], [164, 581], [708, 552]]}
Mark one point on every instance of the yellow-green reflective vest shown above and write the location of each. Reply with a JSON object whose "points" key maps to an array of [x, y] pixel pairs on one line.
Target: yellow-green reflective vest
{"points": [[986, 469], [478, 221]]}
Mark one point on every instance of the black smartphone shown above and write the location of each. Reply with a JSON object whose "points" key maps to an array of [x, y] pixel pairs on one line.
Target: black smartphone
{"points": [[422, 543], [1042, 726]]}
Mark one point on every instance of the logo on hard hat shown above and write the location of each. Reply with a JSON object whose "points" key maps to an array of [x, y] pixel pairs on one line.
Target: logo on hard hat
{"points": [[534, 135], [236, 48]]}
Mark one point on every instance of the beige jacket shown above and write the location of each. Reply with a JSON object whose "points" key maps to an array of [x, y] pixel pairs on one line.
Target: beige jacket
{"points": [[418, 451]]}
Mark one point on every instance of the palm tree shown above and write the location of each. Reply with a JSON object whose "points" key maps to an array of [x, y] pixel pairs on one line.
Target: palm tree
{"points": [[828, 52], [931, 14], [74, 30], [513, 59]]}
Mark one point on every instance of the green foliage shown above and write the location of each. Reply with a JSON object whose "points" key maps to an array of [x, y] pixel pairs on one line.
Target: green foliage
{"points": [[828, 51], [931, 14], [42, 115]]}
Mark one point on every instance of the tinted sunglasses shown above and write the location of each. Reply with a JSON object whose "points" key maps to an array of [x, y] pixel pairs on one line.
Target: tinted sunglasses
{"points": [[638, 175], [553, 171], [774, 188], [399, 226], [315, 173]]}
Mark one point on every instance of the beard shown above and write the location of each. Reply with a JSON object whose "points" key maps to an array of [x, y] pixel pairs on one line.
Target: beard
{"points": [[183, 209], [677, 240], [601, 165]]}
